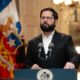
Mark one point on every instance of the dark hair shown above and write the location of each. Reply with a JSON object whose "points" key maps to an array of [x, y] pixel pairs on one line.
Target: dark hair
{"points": [[54, 13]]}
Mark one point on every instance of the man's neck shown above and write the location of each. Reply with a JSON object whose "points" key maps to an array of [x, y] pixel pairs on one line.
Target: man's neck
{"points": [[47, 34]]}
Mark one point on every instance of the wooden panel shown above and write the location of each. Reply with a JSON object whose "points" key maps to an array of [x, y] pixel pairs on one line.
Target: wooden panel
{"points": [[29, 16]]}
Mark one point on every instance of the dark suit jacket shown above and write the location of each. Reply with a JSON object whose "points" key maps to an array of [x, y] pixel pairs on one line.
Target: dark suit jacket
{"points": [[20, 55], [62, 52]]}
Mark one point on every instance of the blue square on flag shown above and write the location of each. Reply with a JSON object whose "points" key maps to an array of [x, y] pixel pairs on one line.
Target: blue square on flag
{"points": [[4, 3], [11, 42]]}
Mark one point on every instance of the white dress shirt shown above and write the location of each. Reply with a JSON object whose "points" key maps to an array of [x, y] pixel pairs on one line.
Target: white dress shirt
{"points": [[46, 41]]}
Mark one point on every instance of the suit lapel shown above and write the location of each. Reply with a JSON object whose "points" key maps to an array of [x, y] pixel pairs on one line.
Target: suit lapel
{"points": [[55, 40], [39, 40], [41, 54]]}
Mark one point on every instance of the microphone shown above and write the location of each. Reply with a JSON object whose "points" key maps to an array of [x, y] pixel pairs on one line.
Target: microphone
{"points": [[48, 55], [40, 46], [51, 45], [41, 54]]}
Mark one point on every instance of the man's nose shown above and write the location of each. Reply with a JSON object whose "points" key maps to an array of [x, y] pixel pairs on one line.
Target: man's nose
{"points": [[45, 19]]}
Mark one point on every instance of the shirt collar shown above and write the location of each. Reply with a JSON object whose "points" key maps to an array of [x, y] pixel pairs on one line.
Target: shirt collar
{"points": [[50, 36]]}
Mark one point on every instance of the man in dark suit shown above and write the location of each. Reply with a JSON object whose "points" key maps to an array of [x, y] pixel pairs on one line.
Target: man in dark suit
{"points": [[51, 49]]}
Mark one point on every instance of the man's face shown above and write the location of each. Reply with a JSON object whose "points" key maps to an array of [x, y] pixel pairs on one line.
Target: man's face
{"points": [[47, 22]]}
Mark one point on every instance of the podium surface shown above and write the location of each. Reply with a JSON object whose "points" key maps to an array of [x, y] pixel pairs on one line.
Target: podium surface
{"points": [[58, 74]]}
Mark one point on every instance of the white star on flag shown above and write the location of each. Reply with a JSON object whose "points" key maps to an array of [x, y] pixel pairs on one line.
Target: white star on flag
{"points": [[11, 42]]}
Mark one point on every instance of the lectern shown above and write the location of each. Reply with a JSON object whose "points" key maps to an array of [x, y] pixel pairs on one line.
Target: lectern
{"points": [[57, 74]]}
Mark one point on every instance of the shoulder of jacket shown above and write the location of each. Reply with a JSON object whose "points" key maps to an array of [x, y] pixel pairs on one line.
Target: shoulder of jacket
{"points": [[64, 35], [35, 38]]}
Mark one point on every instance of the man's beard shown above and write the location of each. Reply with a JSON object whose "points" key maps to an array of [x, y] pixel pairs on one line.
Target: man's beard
{"points": [[46, 27]]}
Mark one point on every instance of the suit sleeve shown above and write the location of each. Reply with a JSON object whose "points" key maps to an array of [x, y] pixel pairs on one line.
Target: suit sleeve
{"points": [[20, 56], [29, 56], [73, 55]]}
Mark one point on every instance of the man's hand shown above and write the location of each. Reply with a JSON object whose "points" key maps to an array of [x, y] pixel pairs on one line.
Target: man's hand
{"points": [[35, 66], [69, 65]]}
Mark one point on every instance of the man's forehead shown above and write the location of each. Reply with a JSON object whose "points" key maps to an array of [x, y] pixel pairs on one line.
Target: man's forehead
{"points": [[47, 13]]}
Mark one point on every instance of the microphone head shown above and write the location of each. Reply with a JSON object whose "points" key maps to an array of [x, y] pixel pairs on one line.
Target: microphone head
{"points": [[51, 45], [40, 44]]}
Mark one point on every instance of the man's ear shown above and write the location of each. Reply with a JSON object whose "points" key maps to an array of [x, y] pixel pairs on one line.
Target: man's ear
{"points": [[55, 21]]}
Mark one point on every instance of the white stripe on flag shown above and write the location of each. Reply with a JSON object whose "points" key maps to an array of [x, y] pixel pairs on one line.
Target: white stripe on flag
{"points": [[10, 11]]}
